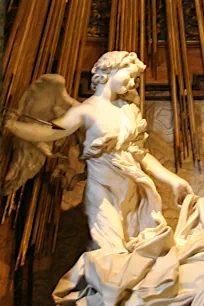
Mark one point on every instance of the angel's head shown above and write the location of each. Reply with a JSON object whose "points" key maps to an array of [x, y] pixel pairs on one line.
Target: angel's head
{"points": [[121, 68]]}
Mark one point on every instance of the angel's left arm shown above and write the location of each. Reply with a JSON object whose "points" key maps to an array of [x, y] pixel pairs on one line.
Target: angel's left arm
{"points": [[71, 121], [153, 167]]}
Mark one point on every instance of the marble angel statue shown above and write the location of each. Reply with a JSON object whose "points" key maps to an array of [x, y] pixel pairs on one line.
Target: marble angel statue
{"points": [[135, 258]]}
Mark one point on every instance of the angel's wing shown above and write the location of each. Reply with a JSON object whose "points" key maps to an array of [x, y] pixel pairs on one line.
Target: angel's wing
{"points": [[45, 99]]}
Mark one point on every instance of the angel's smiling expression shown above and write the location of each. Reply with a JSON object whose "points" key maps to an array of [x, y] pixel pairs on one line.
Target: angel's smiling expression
{"points": [[124, 79]]}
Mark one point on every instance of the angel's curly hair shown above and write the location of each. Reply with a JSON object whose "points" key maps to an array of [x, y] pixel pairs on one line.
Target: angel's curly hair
{"points": [[109, 61]]}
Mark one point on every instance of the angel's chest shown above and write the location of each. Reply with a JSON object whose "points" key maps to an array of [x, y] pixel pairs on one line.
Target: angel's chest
{"points": [[108, 124]]}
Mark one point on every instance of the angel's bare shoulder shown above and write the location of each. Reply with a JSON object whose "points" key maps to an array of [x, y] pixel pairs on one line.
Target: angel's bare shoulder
{"points": [[78, 113], [85, 107]]}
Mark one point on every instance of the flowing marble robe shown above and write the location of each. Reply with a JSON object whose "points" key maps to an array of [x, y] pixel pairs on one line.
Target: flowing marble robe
{"points": [[135, 258]]}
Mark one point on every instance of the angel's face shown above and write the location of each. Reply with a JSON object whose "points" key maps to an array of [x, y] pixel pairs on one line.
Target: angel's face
{"points": [[124, 79]]}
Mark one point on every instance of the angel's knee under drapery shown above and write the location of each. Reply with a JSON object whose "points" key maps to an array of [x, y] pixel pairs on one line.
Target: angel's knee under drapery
{"points": [[162, 269]]}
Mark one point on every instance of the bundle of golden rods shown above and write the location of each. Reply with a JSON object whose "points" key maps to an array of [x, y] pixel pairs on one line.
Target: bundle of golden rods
{"points": [[43, 31], [133, 27]]}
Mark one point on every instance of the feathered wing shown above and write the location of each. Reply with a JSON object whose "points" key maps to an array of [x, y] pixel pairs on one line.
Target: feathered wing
{"points": [[45, 99]]}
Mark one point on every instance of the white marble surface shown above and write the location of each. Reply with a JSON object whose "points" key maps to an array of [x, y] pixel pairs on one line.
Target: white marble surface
{"points": [[135, 258]]}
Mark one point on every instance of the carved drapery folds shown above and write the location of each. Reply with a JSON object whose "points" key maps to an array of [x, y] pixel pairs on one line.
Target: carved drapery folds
{"points": [[52, 38]]}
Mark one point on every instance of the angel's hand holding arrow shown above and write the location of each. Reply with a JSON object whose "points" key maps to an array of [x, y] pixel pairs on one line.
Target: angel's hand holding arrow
{"points": [[11, 118], [12, 114]]}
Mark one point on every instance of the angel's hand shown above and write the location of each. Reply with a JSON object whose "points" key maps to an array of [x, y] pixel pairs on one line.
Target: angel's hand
{"points": [[12, 114], [10, 124], [10, 118], [180, 190]]}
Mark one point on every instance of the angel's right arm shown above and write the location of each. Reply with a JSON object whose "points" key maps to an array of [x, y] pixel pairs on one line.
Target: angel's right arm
{"points": [[71, 121]]}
